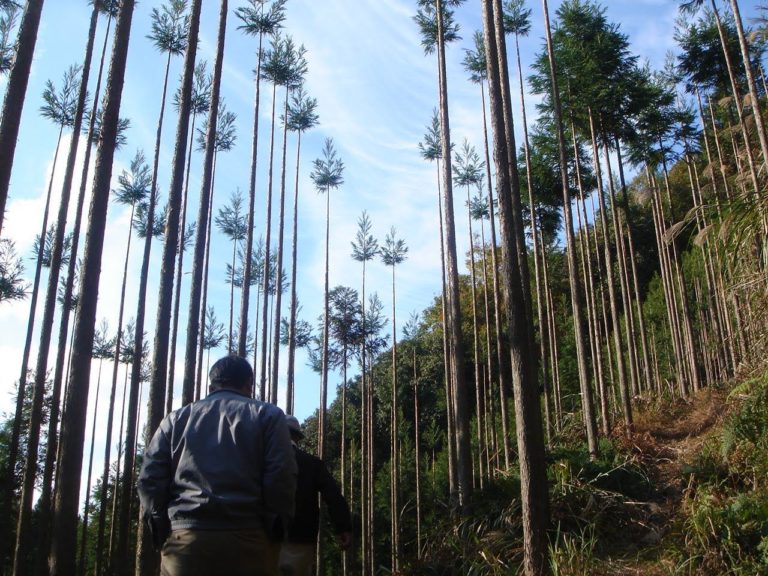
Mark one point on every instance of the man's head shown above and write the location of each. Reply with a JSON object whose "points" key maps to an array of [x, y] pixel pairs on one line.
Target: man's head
{"points": [[233, 373], [294, 428]]}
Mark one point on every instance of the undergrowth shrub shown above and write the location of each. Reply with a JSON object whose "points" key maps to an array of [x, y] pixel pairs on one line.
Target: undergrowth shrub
{"points": [[726, 506], [594, 507]]}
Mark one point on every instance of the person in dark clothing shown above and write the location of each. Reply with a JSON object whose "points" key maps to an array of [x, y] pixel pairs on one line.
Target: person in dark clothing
{"points": [[297, 555], [218, 481]]}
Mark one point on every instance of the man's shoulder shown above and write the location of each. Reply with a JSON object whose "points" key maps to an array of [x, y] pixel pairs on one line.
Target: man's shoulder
{"points": [[235, 401], [306, 457]]}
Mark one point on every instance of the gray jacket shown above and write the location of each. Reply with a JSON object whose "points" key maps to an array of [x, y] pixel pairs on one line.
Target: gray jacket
{"points": [[222, 463]]}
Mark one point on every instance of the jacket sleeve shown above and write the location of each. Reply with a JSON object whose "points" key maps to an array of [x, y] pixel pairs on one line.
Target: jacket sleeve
{"points": [[154, 482], [279, 484], [334, 500]]}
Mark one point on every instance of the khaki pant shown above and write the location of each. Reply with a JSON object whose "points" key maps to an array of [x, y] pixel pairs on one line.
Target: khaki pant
{"points": [[212, 552], [297, 559]]}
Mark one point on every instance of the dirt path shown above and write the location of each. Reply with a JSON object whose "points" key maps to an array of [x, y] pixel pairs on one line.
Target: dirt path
{"points": [[665, 440]]}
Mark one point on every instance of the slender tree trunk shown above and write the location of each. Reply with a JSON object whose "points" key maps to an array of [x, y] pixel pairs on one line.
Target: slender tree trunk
{"points": [[59, 373], [202, 217], [394, 439], [679, 280], [246, 291], [576, 288], [21, 395], [736, 98], [290, 378], [100, 547], [64, 544], [232, 298], [365, 498], [15, 95], [453, 320], [146, 562], [25, 505], [417, 450], [324, 368], [201, 344], [265, 275], [537, 250], [633, 268], [500, 358], [83, 558], [490, 416], [279, 267], [179, 275], [50, 302], [754, 96], [344, 452], [621, 273], [669, 294], [501, 343], [476, 351], [124, 562], [593, 314], [608, 258], [116, 494], [530, 439], [447, 363]]}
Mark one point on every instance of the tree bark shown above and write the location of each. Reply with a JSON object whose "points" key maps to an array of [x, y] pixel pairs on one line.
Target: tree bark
{"points": [[453, 320], [530, 440], [245, 294], [46, 328], [64, 543], [202, 217], [146, 562], [576, 288], [15, 94]]}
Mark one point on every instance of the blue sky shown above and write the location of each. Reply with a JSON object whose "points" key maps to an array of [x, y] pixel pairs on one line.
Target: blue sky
{"points": [[375, 89]]}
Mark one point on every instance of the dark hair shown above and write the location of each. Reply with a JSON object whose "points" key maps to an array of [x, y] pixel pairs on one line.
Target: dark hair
{"points": [[231, 372]]}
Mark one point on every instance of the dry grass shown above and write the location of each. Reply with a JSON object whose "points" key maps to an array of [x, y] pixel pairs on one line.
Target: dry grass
{"points": [[666, 437]]}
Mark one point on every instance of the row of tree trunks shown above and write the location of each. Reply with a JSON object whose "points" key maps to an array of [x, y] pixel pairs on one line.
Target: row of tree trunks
{"points": [[62, 558]]}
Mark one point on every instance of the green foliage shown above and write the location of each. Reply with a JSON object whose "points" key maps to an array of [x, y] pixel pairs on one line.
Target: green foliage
{"points": [[725, 522], [12, 283]]}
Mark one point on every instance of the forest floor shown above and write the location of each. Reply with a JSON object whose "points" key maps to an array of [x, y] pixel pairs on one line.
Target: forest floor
{"points": [[666, 441]]}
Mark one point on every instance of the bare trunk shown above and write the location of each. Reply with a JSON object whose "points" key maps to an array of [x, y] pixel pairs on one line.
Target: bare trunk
{"points": [[754, 96], [50, 301], [83, 559], [246, 291], [202, 217], [608, 258], [530, 438], [179, 275], [265, 277], [100, 546], [64, 544], [146, 562], [15, 94], [576, 288], [453, 320], [124, 563], [324, 367], [290, 379], [38, 397], [279, 266]]}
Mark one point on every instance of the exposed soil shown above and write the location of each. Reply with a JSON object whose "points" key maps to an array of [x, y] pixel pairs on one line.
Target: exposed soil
{"points": [[665, 439]]}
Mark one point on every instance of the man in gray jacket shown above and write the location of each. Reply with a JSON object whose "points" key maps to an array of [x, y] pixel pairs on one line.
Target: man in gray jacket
{"points": [[218, 481]]}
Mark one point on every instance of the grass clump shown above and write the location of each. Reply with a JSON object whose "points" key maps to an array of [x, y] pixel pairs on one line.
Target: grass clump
{"points": [[725, 507]]}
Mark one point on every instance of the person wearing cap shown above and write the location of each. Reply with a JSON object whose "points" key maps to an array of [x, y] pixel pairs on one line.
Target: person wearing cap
{"points": [[297, 555], [218, 481]]}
